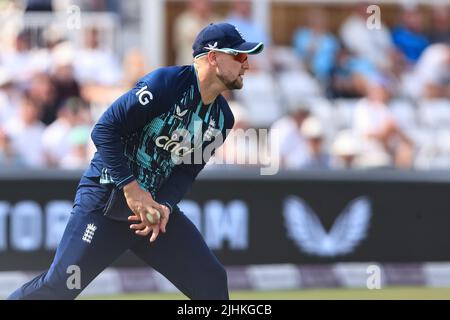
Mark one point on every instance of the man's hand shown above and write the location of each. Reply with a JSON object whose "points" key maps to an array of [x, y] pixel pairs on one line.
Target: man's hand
{"points": [[143, 230], [141, 203]]}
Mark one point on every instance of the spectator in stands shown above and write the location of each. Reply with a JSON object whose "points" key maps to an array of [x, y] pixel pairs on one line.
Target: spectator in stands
{"points": [[95, 65], [187, 25], [19, 61], [316, 46], [63, 76], [430, 77], [11, 22], [25, 133], [134, 67], [43, 93], [440, 25], [316, 156], [241, 17], [374, 45], [285, 134], [50, 37], [384, 142], [77, 157], [349, 75], [8, 96], [100, 94], [53, 35], [8, 156], [409, 36], [345, 150], [239, 150], [44, 40], [56, 140]]}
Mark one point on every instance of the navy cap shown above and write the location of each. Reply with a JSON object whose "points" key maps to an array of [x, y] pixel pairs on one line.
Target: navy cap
{"points": [[223, 37]]}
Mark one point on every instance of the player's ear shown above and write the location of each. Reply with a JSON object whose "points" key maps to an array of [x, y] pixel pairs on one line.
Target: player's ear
{"points": [[212, 58]]}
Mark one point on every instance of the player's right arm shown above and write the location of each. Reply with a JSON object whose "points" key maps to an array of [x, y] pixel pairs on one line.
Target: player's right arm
{"points": [[125, 117]]}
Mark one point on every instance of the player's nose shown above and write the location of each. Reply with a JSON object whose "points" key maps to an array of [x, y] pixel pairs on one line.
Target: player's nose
{"points": [[245, 65]]}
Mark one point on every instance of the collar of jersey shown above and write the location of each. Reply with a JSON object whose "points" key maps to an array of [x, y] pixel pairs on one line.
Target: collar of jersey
{"points": [[198, 87]]}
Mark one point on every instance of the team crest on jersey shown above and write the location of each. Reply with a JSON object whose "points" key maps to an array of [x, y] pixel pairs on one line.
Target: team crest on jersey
{"points": [[210, 131]]}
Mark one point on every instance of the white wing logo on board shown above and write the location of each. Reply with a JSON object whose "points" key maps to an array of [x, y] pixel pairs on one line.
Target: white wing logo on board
{"points": [[306, 230]]}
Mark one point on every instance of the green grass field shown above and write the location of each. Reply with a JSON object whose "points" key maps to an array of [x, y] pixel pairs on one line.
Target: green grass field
{"points": [[391, 293]]}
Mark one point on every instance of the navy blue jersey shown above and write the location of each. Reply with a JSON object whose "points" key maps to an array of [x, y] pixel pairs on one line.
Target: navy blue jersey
{"points": [[159, 133]]}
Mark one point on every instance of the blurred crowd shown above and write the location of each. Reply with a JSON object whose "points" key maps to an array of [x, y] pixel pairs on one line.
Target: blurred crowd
{"points": [[52, 90], [356, 98]]}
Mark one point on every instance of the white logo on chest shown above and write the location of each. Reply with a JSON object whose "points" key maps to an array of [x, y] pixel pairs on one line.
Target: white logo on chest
{"points": [[180, 114], [174, 144], [144, 96], [210, 131]]}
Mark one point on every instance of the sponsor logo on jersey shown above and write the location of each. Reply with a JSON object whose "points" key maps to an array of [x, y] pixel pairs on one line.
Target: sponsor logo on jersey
{"points": [[180, 114], [174, 144], [144, 96]]}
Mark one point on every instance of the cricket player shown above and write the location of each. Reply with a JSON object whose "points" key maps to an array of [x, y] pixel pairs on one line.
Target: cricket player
{"points": [[151, 145]]}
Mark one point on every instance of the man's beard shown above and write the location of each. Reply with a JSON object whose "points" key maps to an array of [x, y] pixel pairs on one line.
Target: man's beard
{"points": [[231, 85]]}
